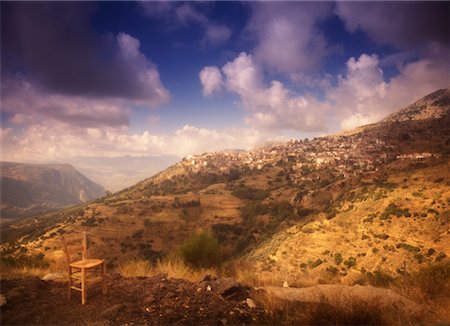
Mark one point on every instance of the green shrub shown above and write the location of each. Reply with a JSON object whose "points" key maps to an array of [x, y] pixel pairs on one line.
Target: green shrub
{"points": [[23, 260], [245, 192], [382, 236], [379, 278], [393, 209], [430, 252], [201, 250], [316, 263], [408, 247], [338, 258], [350, 262]]}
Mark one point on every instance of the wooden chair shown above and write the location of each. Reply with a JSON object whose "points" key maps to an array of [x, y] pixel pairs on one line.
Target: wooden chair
{"points": [[84, 272]]}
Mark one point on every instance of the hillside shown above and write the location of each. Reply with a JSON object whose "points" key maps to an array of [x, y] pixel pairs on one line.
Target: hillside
{"points": [[330, 209], [29, 189]]}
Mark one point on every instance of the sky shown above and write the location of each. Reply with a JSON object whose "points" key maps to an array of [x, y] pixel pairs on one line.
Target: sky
{"points": [[109, 79]]}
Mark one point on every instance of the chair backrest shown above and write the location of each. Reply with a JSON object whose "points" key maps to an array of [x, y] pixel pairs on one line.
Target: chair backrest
{"points": [[69, 252]]}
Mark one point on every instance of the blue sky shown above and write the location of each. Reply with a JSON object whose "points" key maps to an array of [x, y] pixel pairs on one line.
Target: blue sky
{"points": [[152, 78]]}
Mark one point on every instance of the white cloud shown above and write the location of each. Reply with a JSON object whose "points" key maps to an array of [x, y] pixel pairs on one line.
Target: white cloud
{"points": [[359, 97], [211, 79], [274, 106], [45, 141], [362, 96], [288, 39], [146, 73]]}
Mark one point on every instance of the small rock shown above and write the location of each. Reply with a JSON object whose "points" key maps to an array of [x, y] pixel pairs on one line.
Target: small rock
{"points": [[2, 300], [285, 284], [250, 303], [224, 321], [208, 288], [56, 277]]}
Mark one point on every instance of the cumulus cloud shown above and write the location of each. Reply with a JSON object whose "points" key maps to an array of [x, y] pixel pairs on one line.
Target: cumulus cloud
{"points": [[211, 80], [61, 141], [270, 106], [406, 25], [27, 104], [54, 44], [185, 14], [362, 96], [288, 38]]}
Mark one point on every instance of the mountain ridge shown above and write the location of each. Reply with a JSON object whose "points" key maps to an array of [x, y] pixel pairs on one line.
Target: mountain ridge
{"points": [[29, 189]]}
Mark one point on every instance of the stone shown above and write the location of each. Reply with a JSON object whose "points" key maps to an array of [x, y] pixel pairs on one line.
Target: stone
{"points": [[2, 300], [250, 303], [55, 277], [285, 284]]}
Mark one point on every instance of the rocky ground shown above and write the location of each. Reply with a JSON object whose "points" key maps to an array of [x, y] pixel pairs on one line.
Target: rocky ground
{"points": [[159, 300], [154, 301]]}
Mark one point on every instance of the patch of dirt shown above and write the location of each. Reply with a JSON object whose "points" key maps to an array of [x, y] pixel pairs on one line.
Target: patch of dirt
{"points": [[152, 301]]}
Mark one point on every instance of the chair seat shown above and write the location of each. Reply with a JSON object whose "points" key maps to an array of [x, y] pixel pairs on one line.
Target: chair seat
{"points": [[87, 263]]}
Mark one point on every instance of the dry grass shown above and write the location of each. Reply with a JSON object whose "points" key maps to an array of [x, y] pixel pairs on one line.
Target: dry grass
{"points": [[355, 312], [21, 272], [245, 272], [173, 267]]}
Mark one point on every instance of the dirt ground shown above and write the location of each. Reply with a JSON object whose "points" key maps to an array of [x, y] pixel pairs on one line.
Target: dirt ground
{"points": [[153, 301]]}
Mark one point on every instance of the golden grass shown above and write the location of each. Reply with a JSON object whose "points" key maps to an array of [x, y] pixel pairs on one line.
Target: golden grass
{"points": [[355, 312], [21, 272], [173, 267], [246, 273]]}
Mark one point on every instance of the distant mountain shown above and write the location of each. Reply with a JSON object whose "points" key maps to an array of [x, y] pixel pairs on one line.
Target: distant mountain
{"points": [[116, 173], [28, 189]]}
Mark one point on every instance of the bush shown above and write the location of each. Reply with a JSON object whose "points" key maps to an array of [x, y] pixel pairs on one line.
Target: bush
{"points": [[245, 192], [201, 250], [408, 247], [316, 263], [338, 258], [350, 262], [393, 209], [379, 278]]}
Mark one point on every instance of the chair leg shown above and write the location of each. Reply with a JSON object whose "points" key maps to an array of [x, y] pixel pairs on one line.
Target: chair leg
{"points": [[83, 286], [69, 292], [104, 290]]}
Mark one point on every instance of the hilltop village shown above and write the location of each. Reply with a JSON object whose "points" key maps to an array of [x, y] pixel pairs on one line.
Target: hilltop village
{"points": [[343, 156]]}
